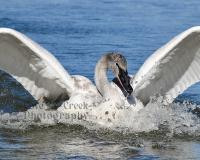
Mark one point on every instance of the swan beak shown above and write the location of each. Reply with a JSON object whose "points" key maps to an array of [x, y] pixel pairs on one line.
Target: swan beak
{"points": [[124, 79]]}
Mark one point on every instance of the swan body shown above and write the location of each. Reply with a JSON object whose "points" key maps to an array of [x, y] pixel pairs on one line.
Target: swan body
{"points": [[109, 91]]}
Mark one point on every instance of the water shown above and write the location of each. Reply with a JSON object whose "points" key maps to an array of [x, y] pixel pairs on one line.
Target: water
{"points": [[78, 33]]}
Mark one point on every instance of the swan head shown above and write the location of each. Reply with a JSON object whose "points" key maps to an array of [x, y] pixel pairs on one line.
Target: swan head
{"points": [[118, 64]]}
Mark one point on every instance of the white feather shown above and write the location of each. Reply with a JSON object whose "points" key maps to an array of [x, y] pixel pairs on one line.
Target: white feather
{"points": [[33, 66], [171, 69]]}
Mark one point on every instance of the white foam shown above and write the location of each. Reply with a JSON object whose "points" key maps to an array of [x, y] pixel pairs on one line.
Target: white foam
{"points": [[176, 118]]}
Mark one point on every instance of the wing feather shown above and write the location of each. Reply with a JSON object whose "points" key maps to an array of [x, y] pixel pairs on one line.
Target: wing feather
{"points": [[33, 66], [171, 69]]}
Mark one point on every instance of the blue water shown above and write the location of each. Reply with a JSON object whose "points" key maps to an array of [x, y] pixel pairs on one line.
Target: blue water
{"points": [[78, 32]]}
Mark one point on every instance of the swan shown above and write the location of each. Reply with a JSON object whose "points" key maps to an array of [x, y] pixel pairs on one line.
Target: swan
{"points": [[166, 73], [46, 80]]}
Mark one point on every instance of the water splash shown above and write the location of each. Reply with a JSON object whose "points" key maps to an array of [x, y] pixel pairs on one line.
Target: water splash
{"points": [[175, 119]]}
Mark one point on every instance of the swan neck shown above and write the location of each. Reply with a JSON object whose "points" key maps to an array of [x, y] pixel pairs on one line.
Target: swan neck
{"points": [[101, 79]]}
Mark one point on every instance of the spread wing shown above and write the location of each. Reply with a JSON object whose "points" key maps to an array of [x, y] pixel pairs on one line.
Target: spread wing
{"points": [[34, 67], [171, 69]]}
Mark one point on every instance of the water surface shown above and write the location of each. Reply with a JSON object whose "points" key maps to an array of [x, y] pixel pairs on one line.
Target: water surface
{"points": [[78, 33]]}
